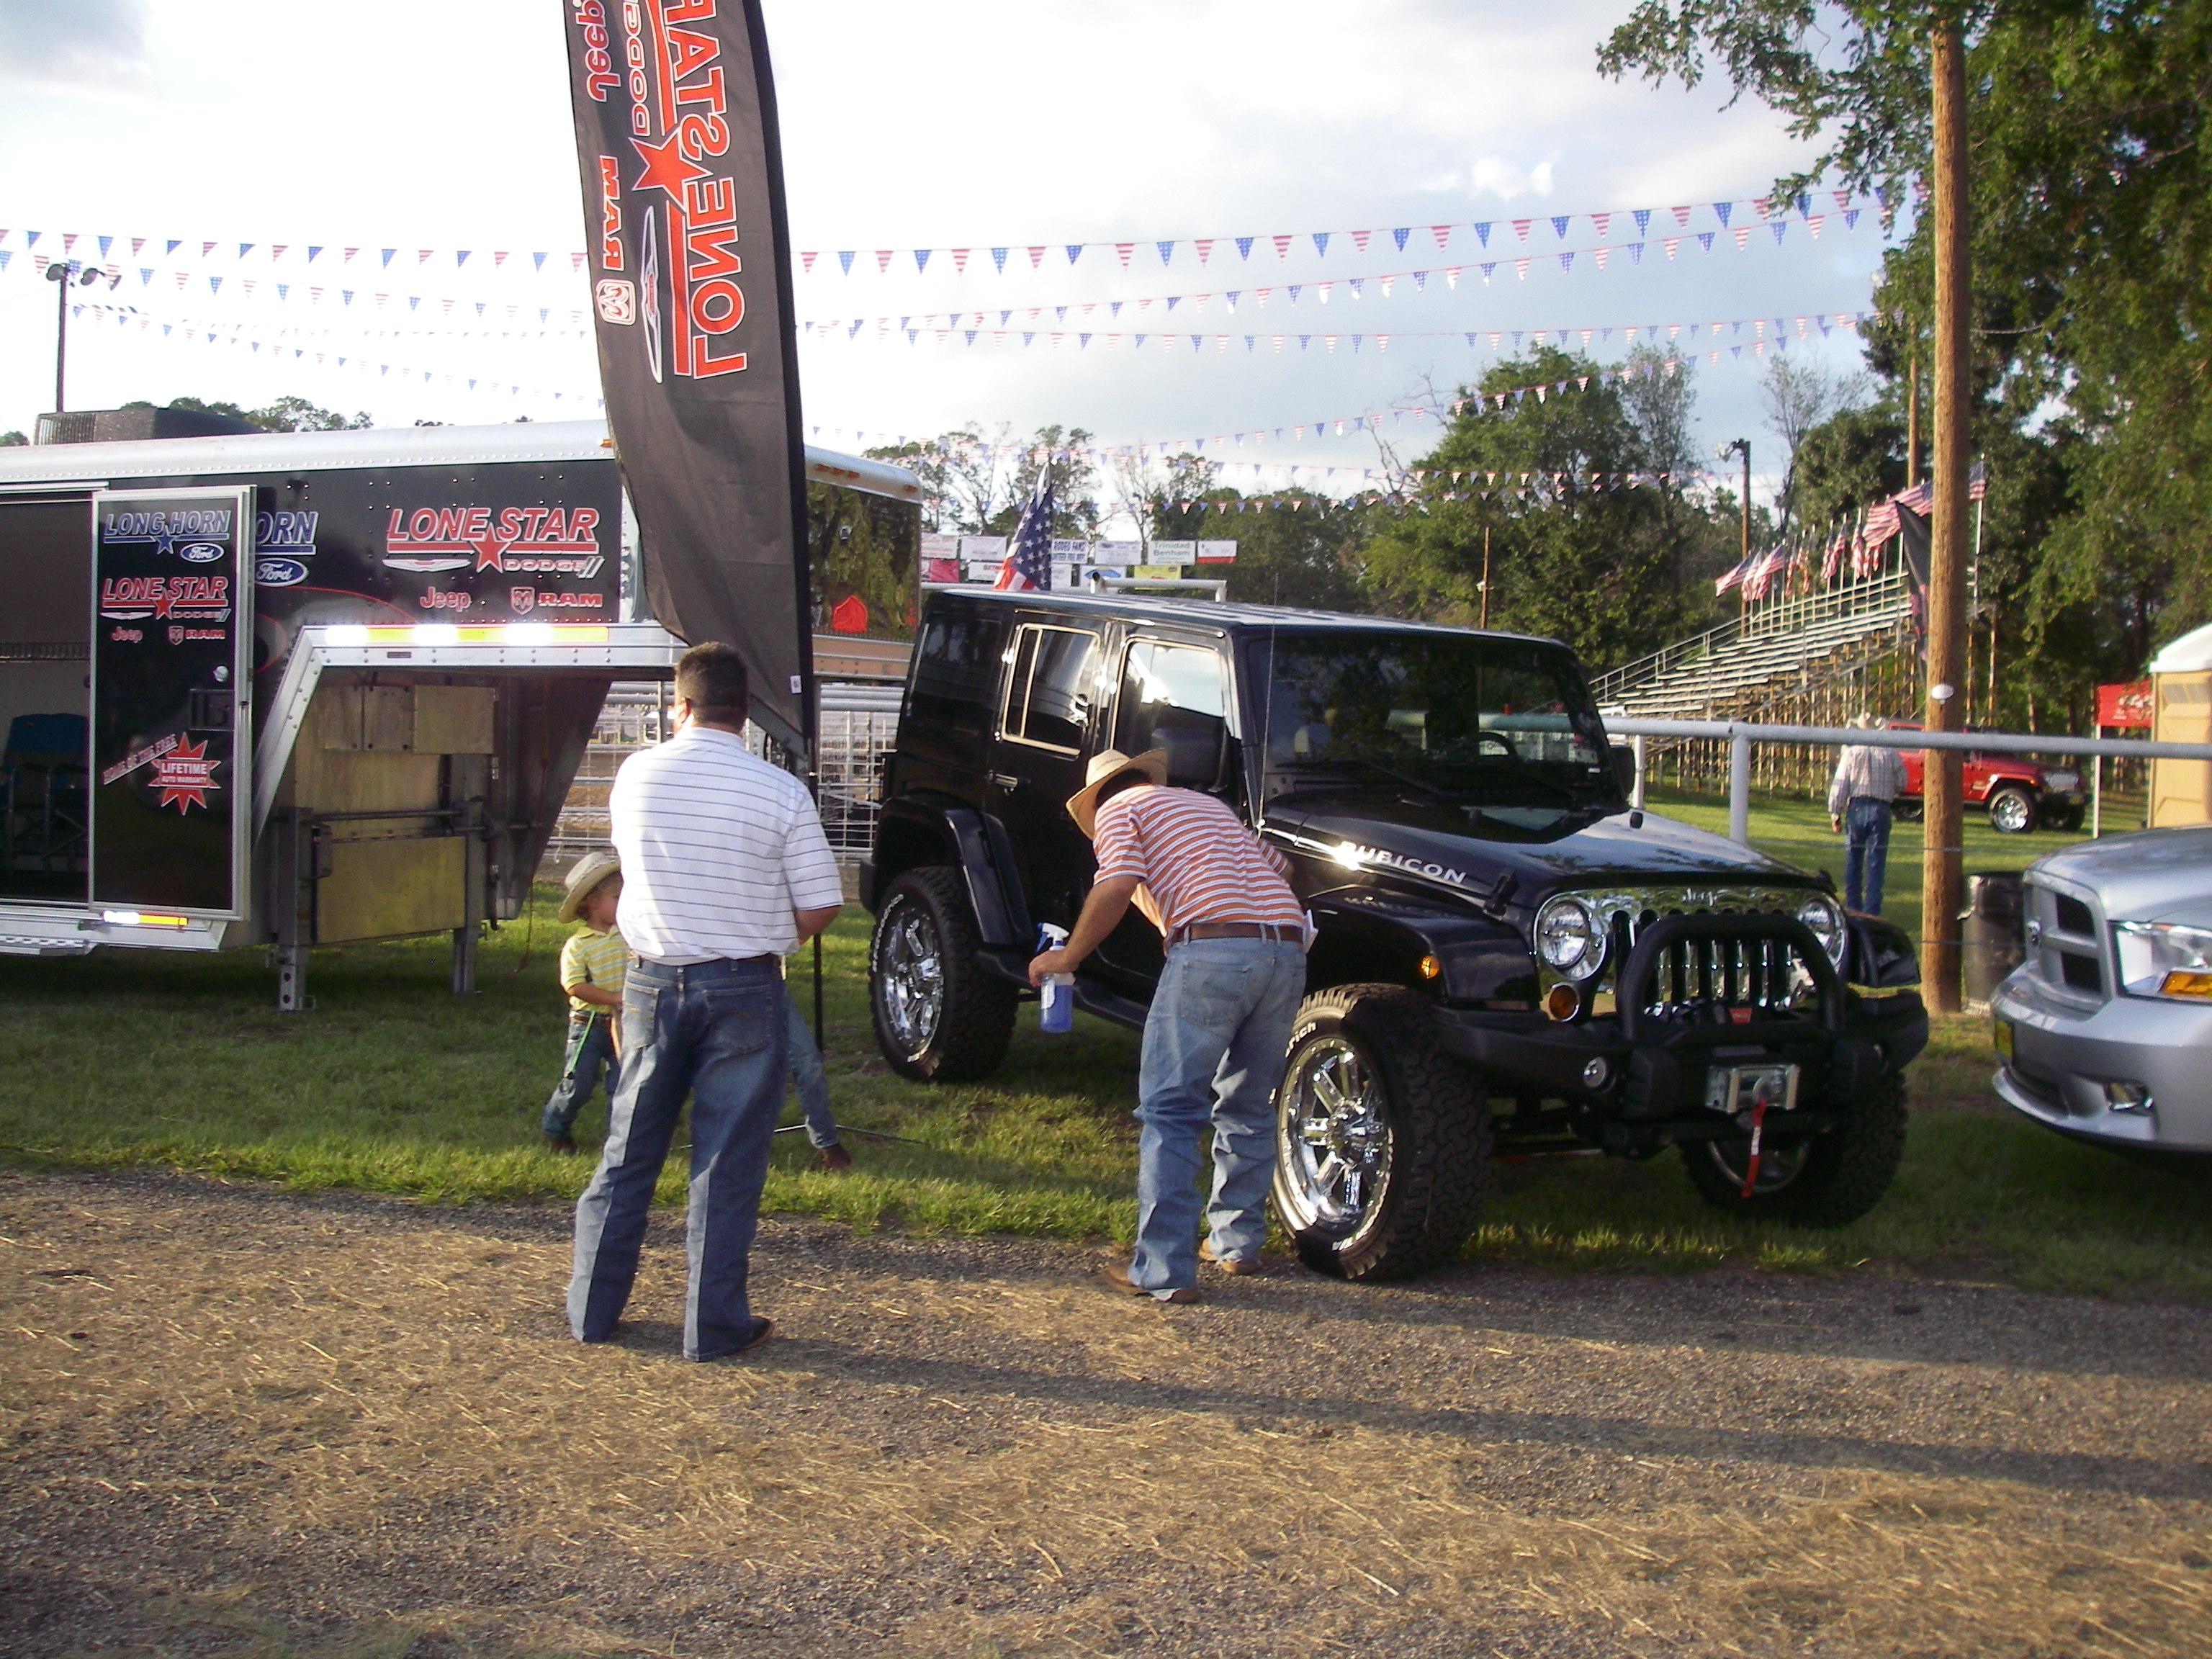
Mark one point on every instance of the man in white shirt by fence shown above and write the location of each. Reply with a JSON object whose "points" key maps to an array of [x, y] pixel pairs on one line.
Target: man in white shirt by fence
{"points": [[725, 872], [1861, 799]]}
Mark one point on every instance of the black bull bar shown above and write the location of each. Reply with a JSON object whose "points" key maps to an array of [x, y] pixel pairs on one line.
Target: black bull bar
{"points": [[1658, 1058]]}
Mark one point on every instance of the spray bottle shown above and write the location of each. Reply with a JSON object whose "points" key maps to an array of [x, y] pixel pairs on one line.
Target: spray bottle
{"points": [[1056, 997]]}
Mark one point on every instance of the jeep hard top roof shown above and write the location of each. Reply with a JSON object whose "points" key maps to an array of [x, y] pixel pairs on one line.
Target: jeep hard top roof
{"points": [[1224, 619]]}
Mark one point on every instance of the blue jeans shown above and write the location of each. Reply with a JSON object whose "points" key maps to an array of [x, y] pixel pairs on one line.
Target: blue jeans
{"points": [[712, 1030], [591, 1052], [808, 1077], [1214, 1046], [1866, 852]]}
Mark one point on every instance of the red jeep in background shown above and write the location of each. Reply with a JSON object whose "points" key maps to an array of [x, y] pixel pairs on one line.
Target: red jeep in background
{"points": [[2019, 793]]}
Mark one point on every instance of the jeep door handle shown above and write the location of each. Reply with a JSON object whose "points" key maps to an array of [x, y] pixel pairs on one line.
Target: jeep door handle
{"points": [[1006, 781]]}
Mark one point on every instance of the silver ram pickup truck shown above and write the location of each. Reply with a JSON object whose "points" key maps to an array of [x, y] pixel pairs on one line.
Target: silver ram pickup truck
{"points": [[2105, 1030]]}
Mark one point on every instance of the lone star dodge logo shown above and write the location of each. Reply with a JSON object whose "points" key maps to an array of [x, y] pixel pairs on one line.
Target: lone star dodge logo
{"points": [[530, 540], [678, 123]]}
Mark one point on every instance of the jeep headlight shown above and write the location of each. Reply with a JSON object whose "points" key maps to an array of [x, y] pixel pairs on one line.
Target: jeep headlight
{"points": [[1825, 923], [2166, 959], [1567, 940]]}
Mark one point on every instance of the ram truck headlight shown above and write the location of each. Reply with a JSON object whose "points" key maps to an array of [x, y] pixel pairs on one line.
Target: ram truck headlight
{"points": [[2164, 959], [1567, 940], [1825, 923]]}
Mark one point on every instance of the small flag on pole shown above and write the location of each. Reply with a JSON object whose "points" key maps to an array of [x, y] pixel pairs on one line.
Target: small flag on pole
{"points": [[1028, 564]]}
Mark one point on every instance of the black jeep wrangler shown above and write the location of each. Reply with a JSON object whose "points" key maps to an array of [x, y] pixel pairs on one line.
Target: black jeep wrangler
{"points": [[1509, 960]]}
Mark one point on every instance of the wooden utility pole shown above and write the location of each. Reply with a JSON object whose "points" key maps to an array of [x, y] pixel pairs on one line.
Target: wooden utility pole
{"points": [[1485, 621], [1941, 886]]}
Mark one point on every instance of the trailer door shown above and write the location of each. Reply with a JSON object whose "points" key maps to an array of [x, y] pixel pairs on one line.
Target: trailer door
{"points": [[172, 700]]}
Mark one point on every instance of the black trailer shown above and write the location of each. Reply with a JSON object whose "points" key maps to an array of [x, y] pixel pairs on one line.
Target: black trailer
{"points": [[288, 690]]}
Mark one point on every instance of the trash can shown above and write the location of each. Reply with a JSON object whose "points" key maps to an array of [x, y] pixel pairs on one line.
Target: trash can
{"points": [[1992, 939]]}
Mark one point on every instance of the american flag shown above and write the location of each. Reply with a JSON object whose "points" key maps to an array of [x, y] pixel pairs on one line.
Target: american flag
{"points": [[1029, 556], [1768, 567], [1833, 560], [1736, 575], [1918, 499]]}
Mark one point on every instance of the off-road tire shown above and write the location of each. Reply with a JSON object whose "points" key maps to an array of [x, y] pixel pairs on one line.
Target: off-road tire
{"points": [[1438, 1162], [1845, 1172], [2014, 804], [2066, 819], [1906, 809], [976, 1020]]}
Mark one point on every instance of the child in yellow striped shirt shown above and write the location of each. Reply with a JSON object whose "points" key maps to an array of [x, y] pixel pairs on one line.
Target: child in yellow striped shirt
{"points": [[593, 964]]}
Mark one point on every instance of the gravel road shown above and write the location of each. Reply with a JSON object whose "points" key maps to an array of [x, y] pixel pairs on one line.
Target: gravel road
{"points": [[243, 1422]]}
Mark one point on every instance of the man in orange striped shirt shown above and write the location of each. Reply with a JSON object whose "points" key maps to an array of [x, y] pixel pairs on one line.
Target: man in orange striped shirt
{"points": [[1220, 1021]]}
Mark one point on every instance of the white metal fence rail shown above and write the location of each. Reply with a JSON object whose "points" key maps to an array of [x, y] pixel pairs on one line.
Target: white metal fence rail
{"points": [[858, 727], [1740, 735]]}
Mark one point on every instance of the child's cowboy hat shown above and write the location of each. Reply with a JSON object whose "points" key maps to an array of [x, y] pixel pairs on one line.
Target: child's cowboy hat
{"points": [[584, 879], [1104, 767]]}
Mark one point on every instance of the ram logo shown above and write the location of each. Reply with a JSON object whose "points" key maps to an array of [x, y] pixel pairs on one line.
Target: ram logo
{"points": [[200, 552], [279, 572]]}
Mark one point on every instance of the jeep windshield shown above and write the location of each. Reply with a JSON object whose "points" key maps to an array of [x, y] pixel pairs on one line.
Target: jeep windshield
{"points": [[1501, 728]]}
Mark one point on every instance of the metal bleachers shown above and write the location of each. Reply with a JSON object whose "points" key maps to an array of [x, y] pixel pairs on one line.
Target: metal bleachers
{"points": [[1776, 653]]}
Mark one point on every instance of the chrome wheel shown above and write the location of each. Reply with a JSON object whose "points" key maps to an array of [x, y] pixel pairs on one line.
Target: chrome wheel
{"points": [[909, 976], [2011, 813], [1332, 1136], [1778, 1166]]}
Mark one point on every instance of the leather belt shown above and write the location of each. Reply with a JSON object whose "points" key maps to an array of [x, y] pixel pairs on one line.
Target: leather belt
{"points": [[1282, 933]]}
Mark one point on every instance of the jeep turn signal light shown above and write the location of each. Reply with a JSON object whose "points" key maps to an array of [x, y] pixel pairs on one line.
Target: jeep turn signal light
{"points": [[1563, 1001], [2180, 984], [1430, 968]]}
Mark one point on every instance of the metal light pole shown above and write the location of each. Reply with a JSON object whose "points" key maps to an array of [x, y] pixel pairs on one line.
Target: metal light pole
{"points": [[1942, 883], [59, 273], [1742, 447]]}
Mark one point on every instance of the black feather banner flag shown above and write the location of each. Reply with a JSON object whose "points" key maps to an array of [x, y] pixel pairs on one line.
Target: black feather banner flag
{"points": [[676, 139]]}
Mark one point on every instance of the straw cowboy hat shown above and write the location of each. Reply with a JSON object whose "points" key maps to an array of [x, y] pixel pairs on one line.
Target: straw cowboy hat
{"points": [[584, 879], [1106, 766]]}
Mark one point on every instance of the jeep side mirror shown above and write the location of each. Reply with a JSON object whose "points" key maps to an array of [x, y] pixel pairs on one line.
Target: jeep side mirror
{"points": [[1624, 771]]}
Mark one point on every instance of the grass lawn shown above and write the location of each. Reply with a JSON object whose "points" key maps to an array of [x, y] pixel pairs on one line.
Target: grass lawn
{"points": [[393, 1084]]}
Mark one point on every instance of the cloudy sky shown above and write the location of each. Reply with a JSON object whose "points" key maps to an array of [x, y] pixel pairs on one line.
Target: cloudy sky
{"points": [[424, 126]]}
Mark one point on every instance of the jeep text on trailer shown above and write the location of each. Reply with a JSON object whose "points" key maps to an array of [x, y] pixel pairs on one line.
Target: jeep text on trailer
{"points": [[1509, 958], [304, 689]]}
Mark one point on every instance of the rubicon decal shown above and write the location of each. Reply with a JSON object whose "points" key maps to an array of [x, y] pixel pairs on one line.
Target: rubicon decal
{"points": [[533, 540], [126, 598]]}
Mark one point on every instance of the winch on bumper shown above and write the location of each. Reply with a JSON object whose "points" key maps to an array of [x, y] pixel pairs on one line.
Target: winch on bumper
{"points": [[1707, 1005]]}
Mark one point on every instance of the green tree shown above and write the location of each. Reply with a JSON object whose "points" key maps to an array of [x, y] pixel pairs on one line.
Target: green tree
{"points": [[1293, 547], [8, 440], [286, 414], [1577, 551], [2092, 225]]}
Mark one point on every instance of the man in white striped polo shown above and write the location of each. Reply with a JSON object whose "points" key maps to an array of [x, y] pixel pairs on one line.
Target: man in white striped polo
{"points": [[1221, 1015], [725, 873]]}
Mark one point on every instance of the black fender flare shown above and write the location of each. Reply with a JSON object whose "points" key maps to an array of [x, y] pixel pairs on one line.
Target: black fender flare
{"points": [[975, 840]]}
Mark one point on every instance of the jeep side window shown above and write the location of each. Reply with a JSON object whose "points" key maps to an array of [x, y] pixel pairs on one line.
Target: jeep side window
{"points": [[1172, 698], [1048, 693], [956, 672]]}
